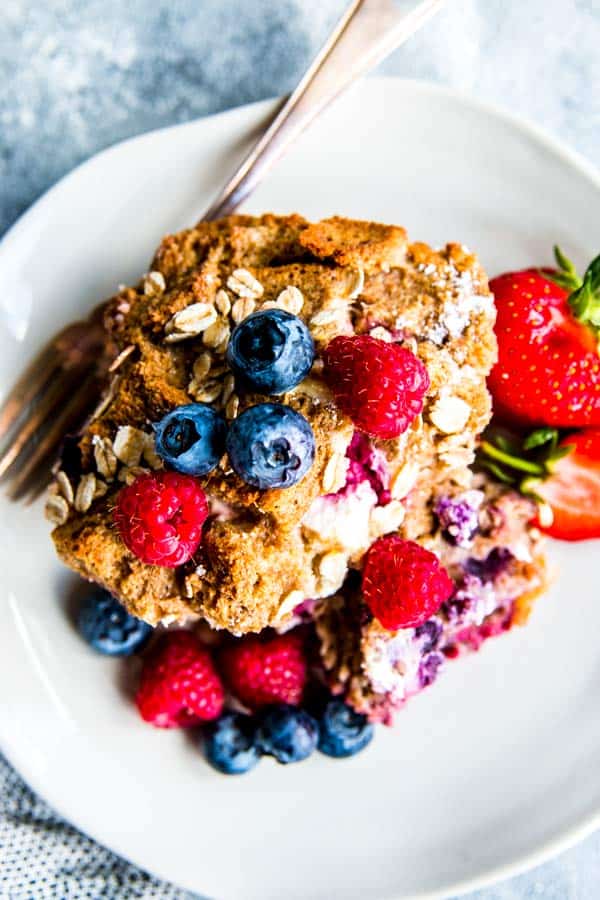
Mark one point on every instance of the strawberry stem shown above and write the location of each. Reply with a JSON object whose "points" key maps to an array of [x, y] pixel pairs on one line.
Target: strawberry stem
{"points": [[529, 485], [497, 471], [524, 462], [584, 293], [514, 462], [539, 437]]}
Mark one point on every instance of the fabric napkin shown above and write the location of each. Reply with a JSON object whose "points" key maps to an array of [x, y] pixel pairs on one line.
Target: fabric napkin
{"points": [[44, 858]]}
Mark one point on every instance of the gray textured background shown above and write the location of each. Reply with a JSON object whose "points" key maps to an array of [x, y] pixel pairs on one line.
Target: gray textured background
{"points": [[78, 75]]}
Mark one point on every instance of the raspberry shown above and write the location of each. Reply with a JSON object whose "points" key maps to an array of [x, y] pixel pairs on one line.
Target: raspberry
{"points": [[160, 517], [260, 672], [403, 583], [179, 686], [380, 386]]}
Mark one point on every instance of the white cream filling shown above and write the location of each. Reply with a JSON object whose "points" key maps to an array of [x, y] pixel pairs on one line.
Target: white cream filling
{"points": [[343, 521], [392, 664]]}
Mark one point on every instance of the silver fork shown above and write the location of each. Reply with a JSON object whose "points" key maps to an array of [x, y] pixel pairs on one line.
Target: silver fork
{"points": [[64, 382]]}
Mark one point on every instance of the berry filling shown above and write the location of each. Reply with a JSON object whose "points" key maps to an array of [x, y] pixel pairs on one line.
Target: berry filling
{"points": [[367, 463], [459, 516]]}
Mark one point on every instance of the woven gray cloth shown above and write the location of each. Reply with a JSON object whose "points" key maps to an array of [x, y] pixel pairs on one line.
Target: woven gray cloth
{"points": [[43, 858]]}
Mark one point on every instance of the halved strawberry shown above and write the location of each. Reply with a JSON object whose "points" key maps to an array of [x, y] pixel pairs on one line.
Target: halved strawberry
{"points": [[563, 475], [573, 489], [548, 369]]}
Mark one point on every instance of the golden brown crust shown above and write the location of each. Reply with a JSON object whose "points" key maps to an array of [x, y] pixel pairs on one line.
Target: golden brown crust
{"points": [[351, 243], [353, 276], [537, 573]]}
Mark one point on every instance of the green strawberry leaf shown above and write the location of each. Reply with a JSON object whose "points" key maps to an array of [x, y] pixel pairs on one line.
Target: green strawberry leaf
{"points": [[562, 281], [566, 267], [525, 462], [539, 437], [497, 471], [513, 462], [505, 443], [584, 293], [566, 276], [585, 300]]}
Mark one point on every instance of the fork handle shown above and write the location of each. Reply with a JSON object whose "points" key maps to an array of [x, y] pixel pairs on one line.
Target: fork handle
{"points": [[366, 33]]}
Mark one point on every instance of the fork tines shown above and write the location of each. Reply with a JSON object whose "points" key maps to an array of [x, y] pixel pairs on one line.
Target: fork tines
{"points": [[49, 400]]}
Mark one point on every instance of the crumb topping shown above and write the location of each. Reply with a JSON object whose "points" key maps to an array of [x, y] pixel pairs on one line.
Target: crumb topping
{"points": [[170, 334]]}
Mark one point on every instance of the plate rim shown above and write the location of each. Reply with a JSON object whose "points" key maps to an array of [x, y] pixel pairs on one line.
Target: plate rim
{"points": [[544, 139]]}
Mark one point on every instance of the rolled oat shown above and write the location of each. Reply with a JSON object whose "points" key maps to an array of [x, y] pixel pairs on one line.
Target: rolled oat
{"points": [[291, 299], [217, 335], [104, 457], [242, 308], [65, 486], [56, 509], [450, 414], [244, 284], [128, 474], [190, 322], [129, 444], [232, 406], [84, 494], [222, 302], [154, 284]]}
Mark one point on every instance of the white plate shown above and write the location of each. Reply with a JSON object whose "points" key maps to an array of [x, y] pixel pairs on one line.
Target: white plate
{"points": [[494, 768]]}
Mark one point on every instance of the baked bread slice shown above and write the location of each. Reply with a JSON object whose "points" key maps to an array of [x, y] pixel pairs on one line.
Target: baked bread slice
{"points": [[264, 553], [499, 570]]}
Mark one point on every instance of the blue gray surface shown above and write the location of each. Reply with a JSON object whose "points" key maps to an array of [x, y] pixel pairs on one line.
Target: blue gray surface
{"points": [[78, 75]]}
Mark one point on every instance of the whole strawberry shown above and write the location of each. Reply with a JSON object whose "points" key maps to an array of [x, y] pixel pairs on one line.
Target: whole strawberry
{"points": [[179, 686], [403, 583], [262, 671], [380, 386], [548, 369]]}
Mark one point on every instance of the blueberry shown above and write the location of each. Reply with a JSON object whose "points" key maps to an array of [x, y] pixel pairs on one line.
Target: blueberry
{"points": [[191, 438], [342, 731], [459, 517], [109, 628], [271, 446], [271, 351], [287, 733], [230, 744], [430, 632], [428, 668], [495, 564]]}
